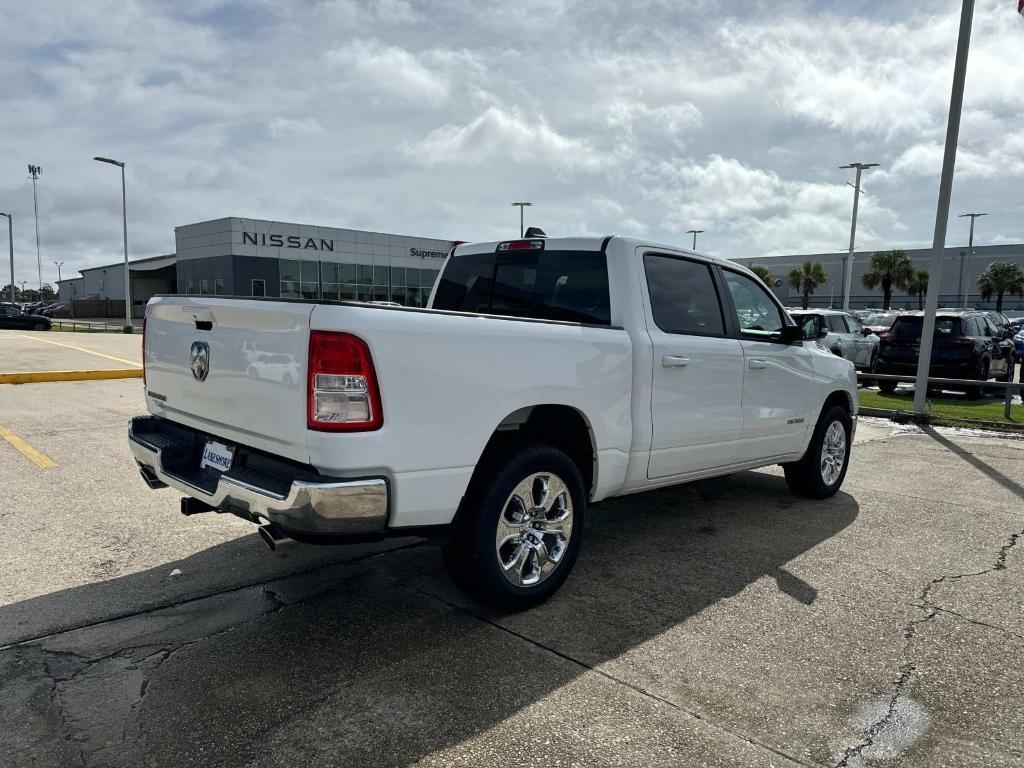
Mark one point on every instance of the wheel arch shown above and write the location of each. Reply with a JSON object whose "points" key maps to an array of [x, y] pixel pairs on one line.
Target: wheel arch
{"points": [[563, 426]]}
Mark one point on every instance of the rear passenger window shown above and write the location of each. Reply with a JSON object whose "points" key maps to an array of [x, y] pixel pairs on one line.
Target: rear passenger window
{"points": [[836, 324], [683, 296]]}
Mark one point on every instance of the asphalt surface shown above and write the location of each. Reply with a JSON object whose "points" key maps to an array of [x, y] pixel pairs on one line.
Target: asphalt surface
{"points": [[66, 351], [723, 623]]}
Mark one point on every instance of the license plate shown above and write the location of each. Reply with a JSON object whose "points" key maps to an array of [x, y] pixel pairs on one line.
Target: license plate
{"points": [[217, 456]]}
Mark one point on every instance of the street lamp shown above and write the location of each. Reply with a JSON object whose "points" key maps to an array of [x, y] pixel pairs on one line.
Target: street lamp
{"points": [[33, 172], [124, 221], [10, 242], [59, 265], [521, 207], [848, 278], [694, 232], [970, 247]]}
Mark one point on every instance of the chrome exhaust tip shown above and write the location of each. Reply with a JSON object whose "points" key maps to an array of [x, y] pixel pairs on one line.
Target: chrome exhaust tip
{"points": [[274, 539]]}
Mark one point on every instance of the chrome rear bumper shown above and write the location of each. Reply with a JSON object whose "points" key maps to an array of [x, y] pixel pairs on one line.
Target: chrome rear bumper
{"points": [[328, 506]]}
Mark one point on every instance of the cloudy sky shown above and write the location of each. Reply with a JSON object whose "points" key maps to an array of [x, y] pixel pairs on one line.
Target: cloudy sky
{"points": [[428, 118]]}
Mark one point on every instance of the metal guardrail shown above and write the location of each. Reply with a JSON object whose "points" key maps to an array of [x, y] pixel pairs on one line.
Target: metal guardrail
{"points": [[1008, 386], [82, 326]]}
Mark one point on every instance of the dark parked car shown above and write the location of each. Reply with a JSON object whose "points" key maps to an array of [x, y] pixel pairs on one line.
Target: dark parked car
{"points": [[967, 345], [880, 322], [57, 310], [12, 317]]}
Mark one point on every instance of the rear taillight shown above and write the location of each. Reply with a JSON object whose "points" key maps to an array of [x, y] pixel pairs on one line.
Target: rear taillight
{"points": [[143, 352], [343, 394]]}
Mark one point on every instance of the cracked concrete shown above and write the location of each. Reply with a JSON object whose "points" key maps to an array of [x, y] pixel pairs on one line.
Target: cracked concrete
{"points": [[720, 624]]}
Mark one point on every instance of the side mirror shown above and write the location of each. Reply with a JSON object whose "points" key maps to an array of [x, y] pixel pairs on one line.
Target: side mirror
{"points": [[792, 333], [865, 331]]}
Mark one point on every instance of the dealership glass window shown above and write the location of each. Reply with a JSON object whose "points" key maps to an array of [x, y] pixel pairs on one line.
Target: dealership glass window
{"points": [[328, 272], [204, 287], [259, 287], [347, 273], [397, 276], [289, 270], [365, 275], [188, 287], [218, 286], [380, 276]]}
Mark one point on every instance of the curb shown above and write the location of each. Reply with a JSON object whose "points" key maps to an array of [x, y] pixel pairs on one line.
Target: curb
{"points": [[32, 377]]}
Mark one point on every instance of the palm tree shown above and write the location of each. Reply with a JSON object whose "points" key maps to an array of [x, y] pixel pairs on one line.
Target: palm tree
{"points": [[890, 269], [762, 274], [1001, 277], [918, 286], [807, 278]]}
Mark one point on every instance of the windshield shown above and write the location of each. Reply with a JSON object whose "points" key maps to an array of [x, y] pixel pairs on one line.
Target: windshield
{"points": [[880, 319], [910, 327]]}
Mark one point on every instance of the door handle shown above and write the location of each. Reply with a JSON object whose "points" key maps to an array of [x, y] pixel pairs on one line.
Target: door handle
{"points": [[674, 361], [756, 364]]}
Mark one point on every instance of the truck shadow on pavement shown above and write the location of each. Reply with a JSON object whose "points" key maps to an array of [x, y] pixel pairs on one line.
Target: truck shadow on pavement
{"points": [[384, 663]]}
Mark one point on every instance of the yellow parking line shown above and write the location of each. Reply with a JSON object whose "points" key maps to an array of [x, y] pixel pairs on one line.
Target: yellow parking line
{"points": [[81, 349], [40, 459], [33, 377]]}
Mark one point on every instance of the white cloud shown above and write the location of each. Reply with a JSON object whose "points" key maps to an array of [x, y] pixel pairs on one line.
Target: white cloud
{"points": [[504, 134], [385, 70], [281, 127]]}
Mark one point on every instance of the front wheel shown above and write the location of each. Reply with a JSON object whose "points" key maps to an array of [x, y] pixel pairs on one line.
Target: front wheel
{"points": [[820, 473], [520, 529], [39, 327]]}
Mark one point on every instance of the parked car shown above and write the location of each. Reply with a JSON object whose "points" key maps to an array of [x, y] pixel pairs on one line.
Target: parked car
{"points": [[12, 317], [1018, 344], [544, 375], [1016, 323], [1002, 322], [966, 345], [57, 310], [842, 334], [879, 323]]}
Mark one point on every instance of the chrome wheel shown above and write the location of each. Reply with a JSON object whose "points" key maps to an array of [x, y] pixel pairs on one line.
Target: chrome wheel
{"points": [[833, 453], [534, 529]]}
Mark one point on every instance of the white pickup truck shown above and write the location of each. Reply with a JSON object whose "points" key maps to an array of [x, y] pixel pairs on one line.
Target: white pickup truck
{"points": [[544, 376]]}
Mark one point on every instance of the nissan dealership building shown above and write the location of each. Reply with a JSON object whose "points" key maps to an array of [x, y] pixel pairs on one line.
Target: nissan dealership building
{"points": [[254, 257]]}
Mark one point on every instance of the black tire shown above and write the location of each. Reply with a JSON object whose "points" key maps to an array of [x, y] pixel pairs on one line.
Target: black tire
{"points": [[40, 327], [472, 556], [1011, 369], [805, 477], [976, 393], [887, 386]]}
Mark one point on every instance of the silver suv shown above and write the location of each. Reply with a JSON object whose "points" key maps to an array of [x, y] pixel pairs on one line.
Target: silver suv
{"points": [[844, 335]]}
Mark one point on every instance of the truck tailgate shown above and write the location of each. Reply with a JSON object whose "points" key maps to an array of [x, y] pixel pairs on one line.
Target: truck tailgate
{"points": [[253, 389]]}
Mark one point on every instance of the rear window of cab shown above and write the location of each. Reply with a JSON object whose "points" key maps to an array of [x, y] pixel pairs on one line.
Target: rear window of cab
{"points": [[542, 285]]}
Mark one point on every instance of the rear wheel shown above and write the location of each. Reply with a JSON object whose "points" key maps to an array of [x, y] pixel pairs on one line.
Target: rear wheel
{"points": [[819, 474], [1011, 368], [975, 393], [887, 386], [520, 529], [39, 327]]}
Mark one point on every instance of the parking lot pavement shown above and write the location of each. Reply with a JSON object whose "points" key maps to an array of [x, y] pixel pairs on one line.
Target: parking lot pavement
{"points": [[56, 351], [723, 623]]}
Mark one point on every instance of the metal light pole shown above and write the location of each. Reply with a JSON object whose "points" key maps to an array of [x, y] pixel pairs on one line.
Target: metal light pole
{"points": [[521, 207], [956, 101], [970, 247], [848, 277], [34, 171], [59, 265], [127, 271], [694, 232], [10, 243]]}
